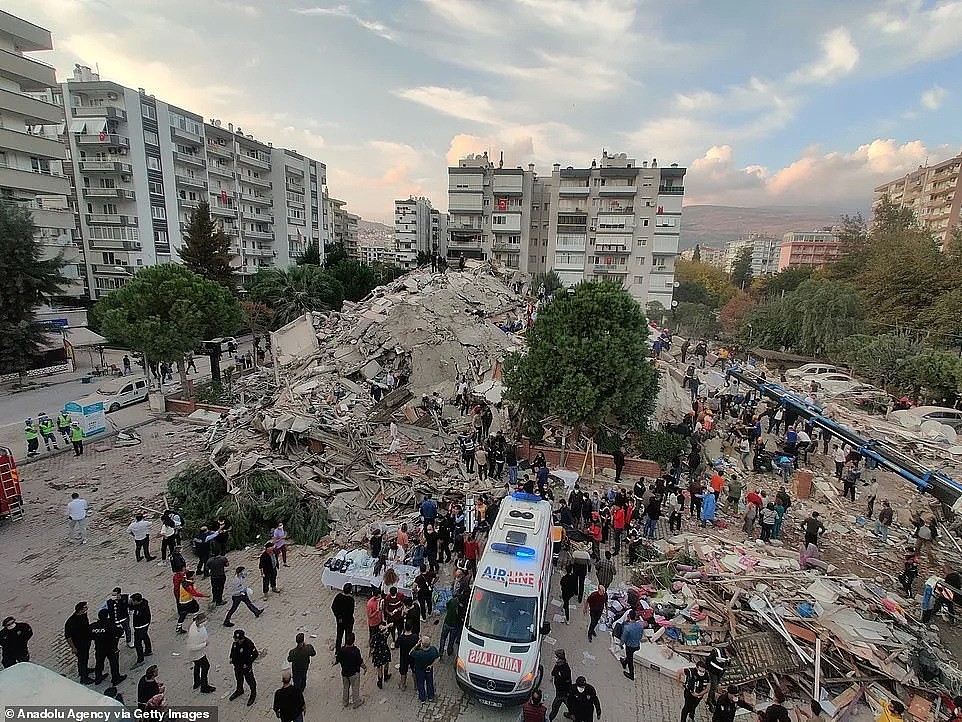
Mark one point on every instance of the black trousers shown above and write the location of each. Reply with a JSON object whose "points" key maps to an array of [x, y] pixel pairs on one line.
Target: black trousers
{"points": [[245, 674], [560, 698], [167, 546], [201, 668], [343, 627], [691, 704], [217, 588], [83, 660], [112, 657], [142, 642], [567, 608], [202, 564], [581, 572], [630, 660], [425, 604], [595, 618], [78, 448], [269, 581], [142, 547]]}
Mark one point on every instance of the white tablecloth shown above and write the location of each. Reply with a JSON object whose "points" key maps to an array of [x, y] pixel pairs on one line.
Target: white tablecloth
{"points": [[364, 578]]}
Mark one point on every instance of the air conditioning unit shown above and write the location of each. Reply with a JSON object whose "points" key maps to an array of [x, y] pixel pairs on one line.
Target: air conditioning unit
{"points": [[111, 96], [125, 178]]}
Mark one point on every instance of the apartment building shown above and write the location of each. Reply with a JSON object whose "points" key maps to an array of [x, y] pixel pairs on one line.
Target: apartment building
{"points": [[139, 166], [933, 193], [413, 230], [338, 215], [439, 232], [709, 255], [351, 222], [813, 249], [764, 251], [31, 155]]}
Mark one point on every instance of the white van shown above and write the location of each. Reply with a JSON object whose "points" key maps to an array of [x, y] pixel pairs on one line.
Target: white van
{"points": [[500, 650], [123, 391]]}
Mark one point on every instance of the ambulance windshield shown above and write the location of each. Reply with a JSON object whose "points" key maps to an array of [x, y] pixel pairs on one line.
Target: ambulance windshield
{"points": [[502, 616]]}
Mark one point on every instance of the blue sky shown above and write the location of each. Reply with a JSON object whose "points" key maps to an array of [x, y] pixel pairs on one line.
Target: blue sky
{"points": [[767, 103]]}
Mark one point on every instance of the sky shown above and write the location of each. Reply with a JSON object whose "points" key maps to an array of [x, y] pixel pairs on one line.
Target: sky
{"points": [[766, 103]]}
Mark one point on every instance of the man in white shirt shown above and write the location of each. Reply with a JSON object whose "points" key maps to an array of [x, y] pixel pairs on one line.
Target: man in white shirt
{"points": [[140, 530], [77, 518]]}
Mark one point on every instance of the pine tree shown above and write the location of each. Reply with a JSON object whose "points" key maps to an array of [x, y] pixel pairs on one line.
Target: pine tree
{"points": [[206, 249], [29, 280]]}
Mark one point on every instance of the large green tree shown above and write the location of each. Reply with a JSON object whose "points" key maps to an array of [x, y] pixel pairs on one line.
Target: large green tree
{"points": [[311, 255], [295, 291], [782, 282], [29, 281], [258, 318], [586, 361], [694, 320], [165, 312], [716, 283], [206, 249], [742, 268], [357, 278]]}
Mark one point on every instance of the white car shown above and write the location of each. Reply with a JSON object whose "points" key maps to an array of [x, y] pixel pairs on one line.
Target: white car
{"points": [[813, 369], [912, 418], [115, 393], [830, 383]]}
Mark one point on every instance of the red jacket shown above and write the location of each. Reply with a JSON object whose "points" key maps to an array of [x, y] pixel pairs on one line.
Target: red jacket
{"points": [[471, 549], [595, 531], [754, 498], [178, 578], [618, 518]]}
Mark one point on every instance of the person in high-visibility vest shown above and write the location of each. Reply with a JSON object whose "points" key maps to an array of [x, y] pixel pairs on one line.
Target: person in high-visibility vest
{"points": [[46, 426], [63, 425], [77, 438], [33, 438]]}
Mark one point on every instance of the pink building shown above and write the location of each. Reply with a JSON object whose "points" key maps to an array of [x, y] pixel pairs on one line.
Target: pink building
{"points": [[808, 248]]}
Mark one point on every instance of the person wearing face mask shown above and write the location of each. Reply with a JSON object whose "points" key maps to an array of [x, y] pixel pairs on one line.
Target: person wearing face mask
{"points": [[118, 605], [381, 654], [697, 682], [280, 542], [583, 702], [197, 637], [14, 636]]}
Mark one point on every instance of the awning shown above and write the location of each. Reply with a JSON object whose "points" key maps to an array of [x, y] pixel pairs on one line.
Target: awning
{"points": [[78, 126], [96, 125], [82, 336]]}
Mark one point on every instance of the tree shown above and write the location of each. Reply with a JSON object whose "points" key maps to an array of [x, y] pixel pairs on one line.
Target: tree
{"points": [[881, 359], [29, 281], [586, 361], [550, 279], [742, 268], [165, 312], [334, 253], [694, 320], [206, 249], [935, 374], [696, 254], [822, 312], [732, 315], [358, 279], [784, 281], [715, 281], [258, 317], [295, 291], [311, 255], [692, 292]]}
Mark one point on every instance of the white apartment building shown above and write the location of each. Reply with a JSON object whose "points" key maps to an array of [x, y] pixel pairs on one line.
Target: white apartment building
{"points": [[439, 232], [31, 154], [139, 166], [765, 250], [934, 193], [412, 230]]}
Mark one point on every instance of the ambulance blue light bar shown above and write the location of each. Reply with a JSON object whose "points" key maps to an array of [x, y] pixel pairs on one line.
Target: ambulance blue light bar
{"points": [[515, 550], [524, 496]]}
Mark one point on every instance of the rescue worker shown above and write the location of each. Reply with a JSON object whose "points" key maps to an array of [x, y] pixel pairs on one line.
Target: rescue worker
{"points": [[77, 438], [46, 428], [63, 425], [32, 436]]}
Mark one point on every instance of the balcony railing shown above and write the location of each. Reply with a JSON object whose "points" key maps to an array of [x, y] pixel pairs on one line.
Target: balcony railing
{"points": [[265, 235], [104, 166], [113, 245], [618, 190], [102, 111], [610, 268], [224, 151], [604, 249], [259, 182], [187, 203], [104, 139], [220, 170], [261, 200], [111, 219], [121, 193], [573, 190], [255, 162], [509, 247], [226, 211], [672, 190], [189, 158], [178, 132], [114, 269]]}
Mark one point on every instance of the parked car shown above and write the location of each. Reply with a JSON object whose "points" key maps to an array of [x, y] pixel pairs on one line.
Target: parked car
{"points": [[225, 344], [115, 393], [830, 383], [917, 416], [812, 369]]}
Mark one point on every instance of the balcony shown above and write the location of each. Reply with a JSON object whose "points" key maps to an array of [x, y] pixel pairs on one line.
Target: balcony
{"points": [[665, 244], [221, 151], [31, 75], [263, 235], [106, 140], [573, 190], [111, 112], [32, 144], [223, 211], [259, 217], [294, 187], [612, 249], [464, 243], [112, 245], [611, 269], [104, 166], [219, 170], [109, 219], [188, 204], [34, 112], [181, 134], [260, 252], [120, 193], [253, 162], [113, 269], [258, 182], [509, 247], [28, 180], [672, 190], [257, 200], [189, 158], [185, 180], [618, 190]]}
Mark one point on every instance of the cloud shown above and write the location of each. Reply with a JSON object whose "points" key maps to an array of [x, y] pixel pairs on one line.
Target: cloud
{"points": [[342, 11], [454, 102], [844, 179], [839, 58], [933, 97], [910, 31]]}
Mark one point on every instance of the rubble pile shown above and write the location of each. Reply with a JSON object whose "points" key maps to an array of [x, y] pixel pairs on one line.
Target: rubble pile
{"points": [[357, 411]]}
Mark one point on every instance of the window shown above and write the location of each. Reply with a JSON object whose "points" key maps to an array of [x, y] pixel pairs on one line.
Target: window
{"points": [[148, 111], [644, 222], [155, 188], [107, 183], [158, 212], [109, 233], [502, 616], [109, 258], [110, 209], [153, 162], [639, 280], [160, 236], [150, 138], [39, 165]]}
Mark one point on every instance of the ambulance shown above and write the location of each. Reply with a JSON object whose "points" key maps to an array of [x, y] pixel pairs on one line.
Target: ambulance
{"points": [[499, 656]]}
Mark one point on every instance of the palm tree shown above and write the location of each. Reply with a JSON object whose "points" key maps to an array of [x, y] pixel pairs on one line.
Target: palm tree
{"points": [[295, 291]]}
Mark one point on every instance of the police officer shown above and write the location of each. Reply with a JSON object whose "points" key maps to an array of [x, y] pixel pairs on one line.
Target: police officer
{"points": [[105, 635], [77, 633], [14, 636], [118, 604], [141, 619], [242, 656]]}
